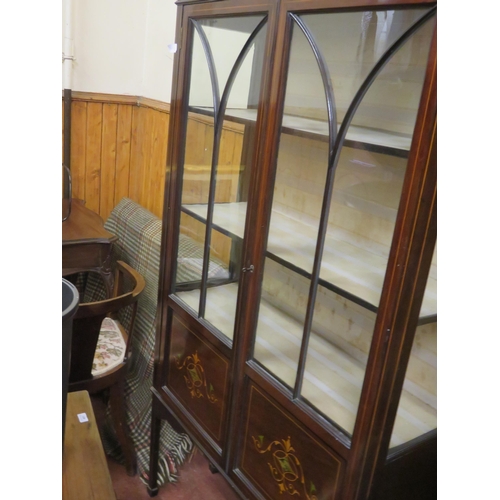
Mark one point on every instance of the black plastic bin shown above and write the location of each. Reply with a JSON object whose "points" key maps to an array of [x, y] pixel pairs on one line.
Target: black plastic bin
{"points": [[70, 299]]}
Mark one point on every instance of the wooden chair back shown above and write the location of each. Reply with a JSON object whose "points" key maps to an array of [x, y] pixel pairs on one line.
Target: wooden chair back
{"points": [[89, 317]]}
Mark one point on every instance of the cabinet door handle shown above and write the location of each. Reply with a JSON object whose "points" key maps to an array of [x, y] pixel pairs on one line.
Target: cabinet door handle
{"points": [[248, 269]]}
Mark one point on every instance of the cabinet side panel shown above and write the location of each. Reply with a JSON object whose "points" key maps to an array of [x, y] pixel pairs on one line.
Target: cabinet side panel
{"points": [[411, 475]]}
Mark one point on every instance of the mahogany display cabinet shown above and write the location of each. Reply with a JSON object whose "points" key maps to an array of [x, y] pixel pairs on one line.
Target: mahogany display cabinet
{"points": [[297, 330]]}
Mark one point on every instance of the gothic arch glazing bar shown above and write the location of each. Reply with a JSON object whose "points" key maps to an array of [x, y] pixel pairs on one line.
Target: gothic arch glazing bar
{"points": [[327, 198], [211, 65], [219, 121], [327, 82]]}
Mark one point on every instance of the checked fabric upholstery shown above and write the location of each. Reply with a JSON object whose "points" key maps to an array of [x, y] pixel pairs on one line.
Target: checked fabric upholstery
{"points": [[139, 242]]}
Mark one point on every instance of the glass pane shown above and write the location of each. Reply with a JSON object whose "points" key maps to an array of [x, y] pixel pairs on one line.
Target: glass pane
{"points": [[221, 41], [298, 192], [338, 349], [196, 175], [372, 164], [357, 181], [220, 153], [351, 43], [417, 410], [281, 320]]}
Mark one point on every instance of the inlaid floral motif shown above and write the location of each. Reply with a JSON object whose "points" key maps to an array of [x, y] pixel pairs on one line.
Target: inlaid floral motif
{"points": [[195, 377], [286, 468]]}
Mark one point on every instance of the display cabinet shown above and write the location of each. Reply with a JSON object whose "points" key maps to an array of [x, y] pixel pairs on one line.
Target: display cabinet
{"points": [[297, 332]]}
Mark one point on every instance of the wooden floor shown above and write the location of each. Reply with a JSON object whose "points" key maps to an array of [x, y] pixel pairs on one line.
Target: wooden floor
{"points": [[195, 481]]}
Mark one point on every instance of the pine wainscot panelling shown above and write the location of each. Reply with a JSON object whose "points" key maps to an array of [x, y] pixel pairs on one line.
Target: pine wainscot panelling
{"points": [[119, 148]]}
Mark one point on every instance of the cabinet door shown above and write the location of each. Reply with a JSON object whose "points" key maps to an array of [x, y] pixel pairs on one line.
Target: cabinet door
{"points": [[351, 96], [224, 81]]}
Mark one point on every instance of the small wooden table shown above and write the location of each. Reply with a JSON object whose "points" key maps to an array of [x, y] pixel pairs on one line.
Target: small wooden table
{"points": [[85, 473], [86, 245]]}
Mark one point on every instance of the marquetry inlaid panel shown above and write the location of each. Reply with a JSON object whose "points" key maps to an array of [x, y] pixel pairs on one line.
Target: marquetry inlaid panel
{"points": [[198, 376], [282, 459]]}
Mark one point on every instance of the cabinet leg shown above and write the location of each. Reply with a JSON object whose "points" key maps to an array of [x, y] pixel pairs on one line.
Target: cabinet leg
{"points": [[152, 492], [154, 451], [212, 468]]}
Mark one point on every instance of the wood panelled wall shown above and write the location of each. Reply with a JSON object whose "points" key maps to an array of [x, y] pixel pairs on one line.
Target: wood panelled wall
{"points": [[118, 148]]}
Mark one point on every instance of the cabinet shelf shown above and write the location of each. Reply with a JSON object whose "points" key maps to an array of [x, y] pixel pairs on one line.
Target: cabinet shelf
{"points": [[349, 270], [370, 139]]}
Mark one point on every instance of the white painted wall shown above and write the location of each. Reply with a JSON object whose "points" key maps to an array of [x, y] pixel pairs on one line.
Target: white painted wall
{"points": [[158, 61], [121, 47]]}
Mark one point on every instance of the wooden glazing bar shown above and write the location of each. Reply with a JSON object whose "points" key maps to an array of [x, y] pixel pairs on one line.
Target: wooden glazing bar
{"points": [[332, 129], [325, 77], [213, 170], [219, 121], [211, 65]]}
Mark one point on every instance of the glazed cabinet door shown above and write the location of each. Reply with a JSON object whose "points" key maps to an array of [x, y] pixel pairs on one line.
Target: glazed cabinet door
{"points": [[300, 206], [220, 80], [225, 74], [351, 83]]}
